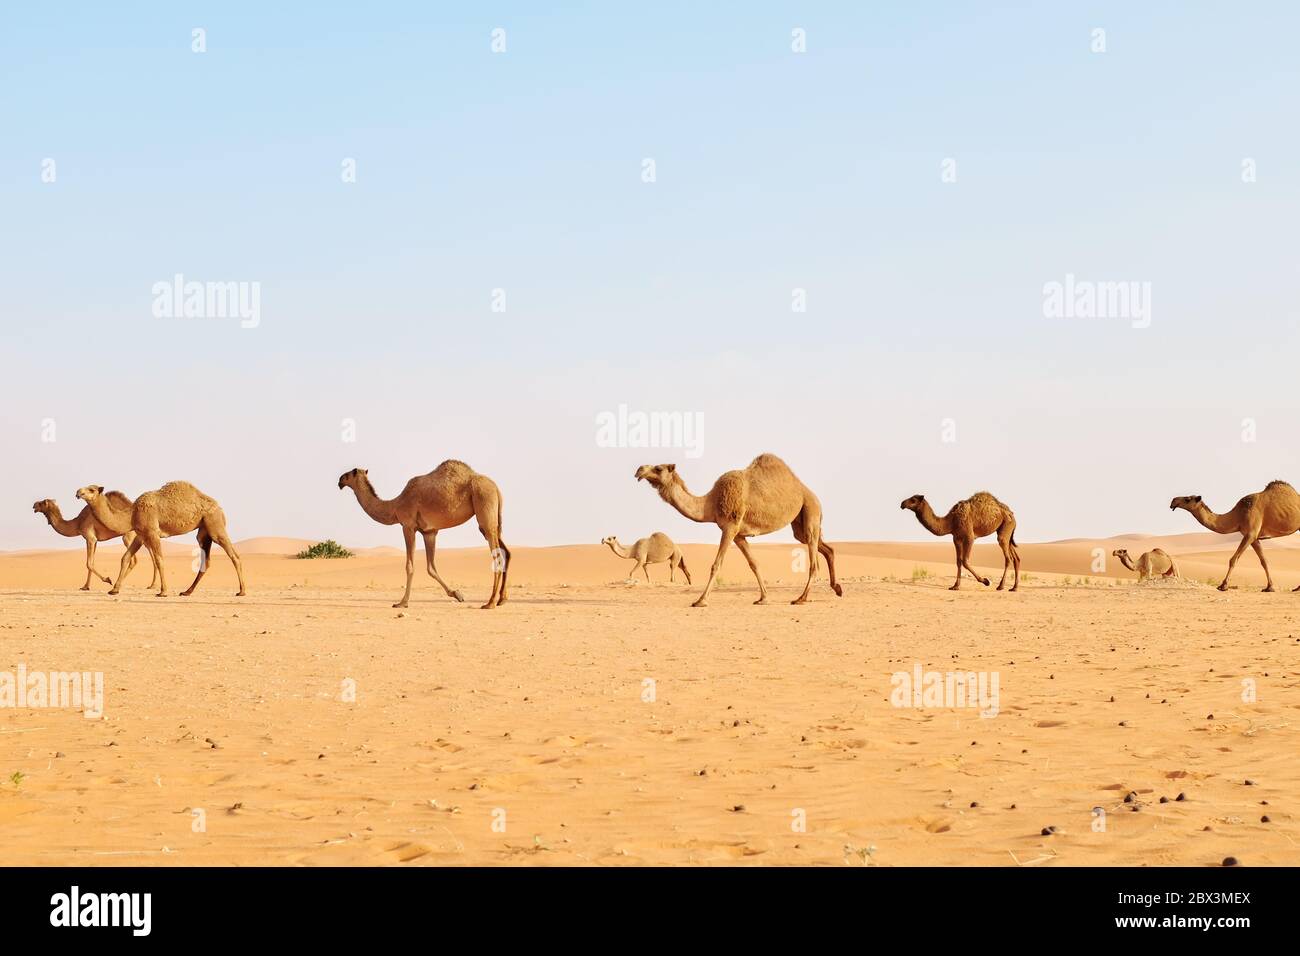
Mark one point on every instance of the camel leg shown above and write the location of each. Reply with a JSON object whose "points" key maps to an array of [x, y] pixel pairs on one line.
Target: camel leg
{"points": [[128, 562], [205, 556], [153, 541], [672, 566], [430, 543], [728, 535], [1004, 542], [828, 553], [681, 563], [957, 546], [409, 534], [1015, 560], [487, 509], [1268, 575], [645, 569], [91, 543], [965, 561], [743, 545], [813, 533], [1246, 541]]}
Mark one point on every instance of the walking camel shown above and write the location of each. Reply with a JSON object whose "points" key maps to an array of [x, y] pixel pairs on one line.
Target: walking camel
{"points": [[759, 499], [448, 496], [652, 550], [1271, 513], [87, 526], [1150, 564], [175, 508], [977, 516]]}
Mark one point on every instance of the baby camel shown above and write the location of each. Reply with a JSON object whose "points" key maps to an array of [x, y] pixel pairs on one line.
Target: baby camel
{"points": [[448, 496], [87, 526], [652, 550], [175, 508], [978, 515], [759, 499], [1150, 564]]}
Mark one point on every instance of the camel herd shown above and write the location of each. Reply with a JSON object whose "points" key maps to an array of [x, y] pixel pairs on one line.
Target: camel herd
{"points": [[759, 499]]}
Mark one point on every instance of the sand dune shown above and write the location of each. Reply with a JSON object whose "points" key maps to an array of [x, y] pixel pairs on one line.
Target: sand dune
{"points": [[592, 721]]}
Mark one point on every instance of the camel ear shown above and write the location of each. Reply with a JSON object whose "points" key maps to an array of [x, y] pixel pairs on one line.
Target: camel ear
{"points": [[99, 489], [671, 468]]}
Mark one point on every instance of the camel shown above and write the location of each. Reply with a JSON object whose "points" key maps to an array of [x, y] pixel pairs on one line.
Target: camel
{"points": [[759, 499], [1150, 564], [448, 496], [175, 508], [978, 515], [1271, 513], [652, 550], [87, 526]]}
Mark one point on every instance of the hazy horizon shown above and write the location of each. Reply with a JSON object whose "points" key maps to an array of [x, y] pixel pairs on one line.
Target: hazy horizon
{"points": [[928, 358]]}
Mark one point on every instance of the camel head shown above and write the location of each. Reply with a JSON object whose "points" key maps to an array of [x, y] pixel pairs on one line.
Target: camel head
{"points": [[352, 478], [1187, 503], [1120, 553], [44, 506], [89, 493], [913, 503], [659, 476], [610, 540]]}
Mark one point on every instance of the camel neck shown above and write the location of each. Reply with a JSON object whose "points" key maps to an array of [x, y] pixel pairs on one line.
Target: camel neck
{"points": [[66, 528], [932, 522], [380, 510], [618, 549], [688, 505], [1220, 524], [1125, 560]]}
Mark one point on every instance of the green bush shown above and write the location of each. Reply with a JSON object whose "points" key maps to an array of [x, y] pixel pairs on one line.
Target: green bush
{"points": [[326, 549]]}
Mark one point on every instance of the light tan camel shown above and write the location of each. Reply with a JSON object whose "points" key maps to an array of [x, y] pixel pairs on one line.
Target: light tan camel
{"points": [[652, 550], [87, 526], [448, 496], [1271, 513], [1153, 563], [759, 499], [175, 508], [978, 515]]}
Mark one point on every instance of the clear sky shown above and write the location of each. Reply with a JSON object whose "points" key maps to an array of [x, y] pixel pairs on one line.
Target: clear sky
{"points": [[775, 170]]}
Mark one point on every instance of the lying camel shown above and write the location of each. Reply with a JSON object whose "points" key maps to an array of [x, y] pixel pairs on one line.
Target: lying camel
{"points": [[652, 550], [87, 526], [1152, 563]]}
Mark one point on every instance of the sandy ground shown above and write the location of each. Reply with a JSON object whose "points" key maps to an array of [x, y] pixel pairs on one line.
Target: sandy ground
{"points": [[592, 722]]}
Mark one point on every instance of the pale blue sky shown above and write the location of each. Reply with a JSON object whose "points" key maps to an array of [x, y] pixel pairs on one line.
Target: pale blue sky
{"points": [[775, 170]]}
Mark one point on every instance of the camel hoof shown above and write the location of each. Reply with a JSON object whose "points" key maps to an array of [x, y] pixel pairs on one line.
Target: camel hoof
{"points": [[761, 600], [699, 604], [1223, 587], [114, 591], [86, 587], [839, 591], [458, 596], [1001, 587], [162, 594], [1014, 589], [955, 587], [241, 594], [1268, 590], [187, 593], [487, 607], [984, 581], [800, 600]]}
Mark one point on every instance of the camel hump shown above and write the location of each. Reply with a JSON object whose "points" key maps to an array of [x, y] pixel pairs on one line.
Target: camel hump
{"points": [[1278, 483], [659, 538], [984, 499], [118, 501], [768, 462], [454, 470]]}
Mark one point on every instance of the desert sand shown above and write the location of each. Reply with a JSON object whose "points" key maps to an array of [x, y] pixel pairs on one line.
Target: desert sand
{"points": [[588, 721]]}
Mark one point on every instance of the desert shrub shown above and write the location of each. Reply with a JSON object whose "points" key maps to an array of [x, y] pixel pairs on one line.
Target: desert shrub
{"points": [[326, 549]]}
